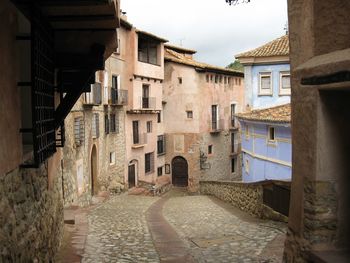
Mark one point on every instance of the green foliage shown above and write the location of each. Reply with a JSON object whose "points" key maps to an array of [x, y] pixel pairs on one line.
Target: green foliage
{"points": [[236, 65]]}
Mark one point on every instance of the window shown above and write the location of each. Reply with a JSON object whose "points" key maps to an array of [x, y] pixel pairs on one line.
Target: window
{"points": [[113, 126], [160, 171], [239, 81], [180, 80], [247, 132], [216, 78], [149, 126], [112, 158], [265, 87], [115, 89], [79, 131], [210, 149], [225, 80], [161, 144], [233, 165], [246, 166], [214, 117], [159, 117], [145, 96], [106, 124], [147, 51], [229, 80], [95, 126], [233, 112], [233, 148], [211, 78], [271, 134], [220, 79], [149, 162], [189, 114], [207, 77], [135, 132], [284, 83]]}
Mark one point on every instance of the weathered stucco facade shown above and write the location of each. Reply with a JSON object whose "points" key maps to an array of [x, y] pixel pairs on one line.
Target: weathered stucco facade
{"points": [[191, 90]]}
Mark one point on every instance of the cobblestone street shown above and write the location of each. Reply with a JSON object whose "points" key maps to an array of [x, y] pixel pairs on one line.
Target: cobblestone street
{"points": [[178, 228]]}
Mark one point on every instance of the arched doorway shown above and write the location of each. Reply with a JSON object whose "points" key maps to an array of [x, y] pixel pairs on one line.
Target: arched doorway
{"points": [[179, 168], [94, 186], [132, 173]]}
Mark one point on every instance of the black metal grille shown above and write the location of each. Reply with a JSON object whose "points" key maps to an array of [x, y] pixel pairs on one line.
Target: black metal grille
{"points": [[42, 90]]}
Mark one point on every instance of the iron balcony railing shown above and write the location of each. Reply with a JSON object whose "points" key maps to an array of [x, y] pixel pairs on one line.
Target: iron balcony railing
{"points": [[94, 96], [148, 103], [139, 139], [119, 96], [217, 125]]}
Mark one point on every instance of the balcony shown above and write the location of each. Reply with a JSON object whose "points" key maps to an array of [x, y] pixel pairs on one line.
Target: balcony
{"points": [[148, 103], [217, 126], [233, 124], [119, 97], [93, 98], [235, 149], [139, 140]]}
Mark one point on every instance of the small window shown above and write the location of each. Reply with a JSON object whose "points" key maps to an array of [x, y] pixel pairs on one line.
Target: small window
{"points": [[247, 134], [210, 149], [159, 117], [239, 81], [246, 166], [113, 124], [160, 171], [149, 126], [112, 158], [271, 134], [79, 131], [149, 162], [180, 80], [95, 126], [285, 83], [229, 80], [233, 165], [220, 79], [189, 114], [265, 84], [106, 124], [211, 78], [216, 78], [207, 77], [160, 144]]}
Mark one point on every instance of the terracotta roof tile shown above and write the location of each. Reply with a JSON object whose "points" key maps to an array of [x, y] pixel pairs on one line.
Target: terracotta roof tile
{"points": [[176, 57], [180, 49], [281, 113], [277, 47]]}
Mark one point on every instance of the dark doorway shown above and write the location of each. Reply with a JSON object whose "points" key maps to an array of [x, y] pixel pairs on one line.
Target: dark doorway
{"points": [[94, 187], [131, 175], [179, 171]]}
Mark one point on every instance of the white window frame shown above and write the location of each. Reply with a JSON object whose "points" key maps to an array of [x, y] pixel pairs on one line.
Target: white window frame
{"points": [[284, 91], [265, 92], [111, 158], [269, 128]]}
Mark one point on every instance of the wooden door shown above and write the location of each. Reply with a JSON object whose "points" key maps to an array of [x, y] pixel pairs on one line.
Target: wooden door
{"points": [[179, 171], [131, 175]]}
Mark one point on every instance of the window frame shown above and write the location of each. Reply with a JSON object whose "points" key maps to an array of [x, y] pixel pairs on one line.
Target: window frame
{"points": [[210, 149], [149, 126], [284, 91], [269, 129], [189, 114], [261, 92], [149, 167], [112, 161], [160, 168], [149, 44], [161, 138]]}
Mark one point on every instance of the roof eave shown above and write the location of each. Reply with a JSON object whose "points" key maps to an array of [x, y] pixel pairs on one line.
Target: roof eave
{"points": [[249, 61]]}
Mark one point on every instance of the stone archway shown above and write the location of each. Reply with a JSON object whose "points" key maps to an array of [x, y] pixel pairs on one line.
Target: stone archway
{"points": [[93, 169], [179, 170]]}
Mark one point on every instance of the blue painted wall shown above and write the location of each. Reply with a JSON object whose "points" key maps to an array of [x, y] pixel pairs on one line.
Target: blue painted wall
{"points": [[264, 157], [252, 86]]}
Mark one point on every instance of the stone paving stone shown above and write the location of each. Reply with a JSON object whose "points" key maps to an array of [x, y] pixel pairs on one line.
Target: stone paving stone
{"points": [[118, 231], [198, 220]]}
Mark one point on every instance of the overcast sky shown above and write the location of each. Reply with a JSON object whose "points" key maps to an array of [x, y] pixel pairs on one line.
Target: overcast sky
{"points": [[216, 30]]}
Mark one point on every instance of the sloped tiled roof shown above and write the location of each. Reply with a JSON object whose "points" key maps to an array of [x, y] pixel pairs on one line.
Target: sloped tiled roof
{"points": [[180, 49], [281, 113], [277, 47], [171, 55]]}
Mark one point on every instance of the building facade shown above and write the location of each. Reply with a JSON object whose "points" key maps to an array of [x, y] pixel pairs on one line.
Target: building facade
{"points": [[267, 74], [202, 136], [266, 144], [36, 71]]}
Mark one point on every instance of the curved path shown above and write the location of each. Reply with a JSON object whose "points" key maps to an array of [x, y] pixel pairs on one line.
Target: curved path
{"points": [[177, 228]]}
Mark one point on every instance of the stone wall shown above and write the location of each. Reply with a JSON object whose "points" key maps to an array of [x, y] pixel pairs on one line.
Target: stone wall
{"points": [[31, 218], [246, 196]]}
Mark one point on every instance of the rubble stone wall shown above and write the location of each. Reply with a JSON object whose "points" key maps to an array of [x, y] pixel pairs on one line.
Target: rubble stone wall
{"points": [[31, 217]]}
